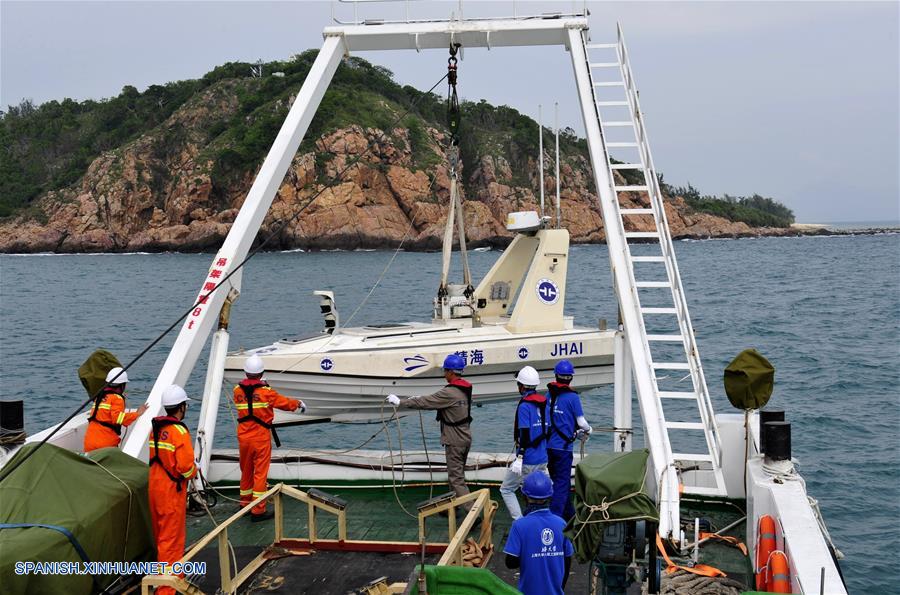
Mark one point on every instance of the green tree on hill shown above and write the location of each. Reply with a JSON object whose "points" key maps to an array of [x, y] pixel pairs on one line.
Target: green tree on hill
{"points": [[49, 147]]}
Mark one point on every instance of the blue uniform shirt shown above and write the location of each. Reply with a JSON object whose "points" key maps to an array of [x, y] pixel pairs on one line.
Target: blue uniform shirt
{"points": [[537, 540], [529, 416], [566, 409]]}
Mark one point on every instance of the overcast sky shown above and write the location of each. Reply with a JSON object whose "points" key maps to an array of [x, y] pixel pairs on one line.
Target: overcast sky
{"points": [[793, 100]]}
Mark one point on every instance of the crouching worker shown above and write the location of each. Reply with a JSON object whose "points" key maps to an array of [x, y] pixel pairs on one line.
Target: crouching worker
{"points": [[255, 401], [454, 410], [171, 467], [530, 435], [536, 544]]}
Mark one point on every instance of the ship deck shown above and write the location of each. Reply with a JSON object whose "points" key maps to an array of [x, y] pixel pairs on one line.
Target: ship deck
{"points": [[373, 514]]}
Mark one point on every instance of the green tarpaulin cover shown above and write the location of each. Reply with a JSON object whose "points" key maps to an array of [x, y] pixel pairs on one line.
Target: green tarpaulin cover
{"points": [[454, 580], [101, 499], [609, 487], [749, 380], [92, 372]]}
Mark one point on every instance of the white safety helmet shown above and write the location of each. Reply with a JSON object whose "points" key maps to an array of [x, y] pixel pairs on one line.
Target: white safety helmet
{"points": [[528, 376], [111, 376], [254, 365], [174, 395]]}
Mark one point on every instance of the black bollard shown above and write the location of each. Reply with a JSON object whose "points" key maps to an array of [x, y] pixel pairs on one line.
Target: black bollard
{"points": [[778, 440], [767, 415]]}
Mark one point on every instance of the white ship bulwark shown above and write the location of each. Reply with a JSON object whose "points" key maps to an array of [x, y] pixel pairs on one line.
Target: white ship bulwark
{"points": [[513, 318]]}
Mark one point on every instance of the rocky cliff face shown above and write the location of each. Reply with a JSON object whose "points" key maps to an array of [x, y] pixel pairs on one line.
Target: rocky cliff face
{"points": [[156, 194]]}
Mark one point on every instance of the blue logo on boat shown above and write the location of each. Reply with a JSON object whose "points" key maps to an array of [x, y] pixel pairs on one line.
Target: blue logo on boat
{"points": [[414, 363], [523, 353], [547, 291], [326, 364]]}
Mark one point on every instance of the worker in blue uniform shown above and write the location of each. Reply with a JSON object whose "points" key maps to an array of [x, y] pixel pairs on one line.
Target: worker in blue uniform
{"points": [[565, 415], [536, 544], [530, 435]]}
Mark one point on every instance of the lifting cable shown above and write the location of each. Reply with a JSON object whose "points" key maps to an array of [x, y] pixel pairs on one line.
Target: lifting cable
{"points": [[7, 471]]}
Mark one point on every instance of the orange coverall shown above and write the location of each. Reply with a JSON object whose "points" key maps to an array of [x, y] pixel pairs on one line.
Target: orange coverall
{"points": [[110, 411], [254, 439], [168, 497]]}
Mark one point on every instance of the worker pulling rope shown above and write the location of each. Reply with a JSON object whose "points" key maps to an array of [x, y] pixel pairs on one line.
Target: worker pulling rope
{"points": [[204, 298]]}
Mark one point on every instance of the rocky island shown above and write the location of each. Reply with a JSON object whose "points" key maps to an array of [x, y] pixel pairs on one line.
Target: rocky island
{"points": [[168, 170]]}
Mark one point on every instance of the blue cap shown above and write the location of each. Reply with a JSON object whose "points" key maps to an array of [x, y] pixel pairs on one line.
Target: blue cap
{"points": [[454, 362], [538, 486], [564, 368]]}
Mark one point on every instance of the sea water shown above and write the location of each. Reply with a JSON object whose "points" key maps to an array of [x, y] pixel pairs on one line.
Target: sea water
{"points": [[824, 310]]}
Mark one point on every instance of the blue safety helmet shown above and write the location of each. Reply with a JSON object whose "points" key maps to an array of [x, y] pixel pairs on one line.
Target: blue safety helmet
{"points": [[538, 486], [564, 368], [454, 363]]}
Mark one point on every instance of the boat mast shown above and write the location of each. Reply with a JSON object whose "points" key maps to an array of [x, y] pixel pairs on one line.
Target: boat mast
{"points": [[556, 125], [541, 155]]}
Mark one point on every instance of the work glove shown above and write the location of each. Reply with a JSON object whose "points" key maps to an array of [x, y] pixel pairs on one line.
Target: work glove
{"points": [[302, 407], [516, 466], [394, 400]]}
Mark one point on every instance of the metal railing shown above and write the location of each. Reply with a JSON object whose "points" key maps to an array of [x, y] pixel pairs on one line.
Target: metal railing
{"points": [[452, 554]]}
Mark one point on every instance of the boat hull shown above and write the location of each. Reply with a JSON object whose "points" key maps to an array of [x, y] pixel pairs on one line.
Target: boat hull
{"points": [[344, 380]]}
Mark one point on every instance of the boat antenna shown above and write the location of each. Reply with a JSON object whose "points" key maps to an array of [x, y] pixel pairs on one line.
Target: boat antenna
{"points": [[541, 155], [556, 125]]}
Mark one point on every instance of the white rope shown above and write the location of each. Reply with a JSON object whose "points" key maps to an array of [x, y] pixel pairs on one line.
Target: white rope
{"points": [[391, 450], [814, 504], [781, 471], [603, 509], [461, 232]]}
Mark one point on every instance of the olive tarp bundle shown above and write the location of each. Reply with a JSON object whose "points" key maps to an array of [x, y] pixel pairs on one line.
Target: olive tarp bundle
{"points": [[749, 380], [75, 508], [92, 372], [609, 487], [456, 580]]}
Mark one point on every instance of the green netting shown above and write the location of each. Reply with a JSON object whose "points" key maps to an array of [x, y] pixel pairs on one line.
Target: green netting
{"points": [[749, 380], [92, 372], [609, 487], [455, 580], [101, 499]]}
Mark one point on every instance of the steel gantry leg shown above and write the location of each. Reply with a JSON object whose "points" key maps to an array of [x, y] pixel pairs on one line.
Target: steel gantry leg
{"points": [[200, 322]]}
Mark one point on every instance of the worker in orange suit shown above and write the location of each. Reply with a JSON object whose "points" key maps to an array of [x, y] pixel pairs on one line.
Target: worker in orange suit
{"points": [[255, 402], [171, 468], [108, 414]]}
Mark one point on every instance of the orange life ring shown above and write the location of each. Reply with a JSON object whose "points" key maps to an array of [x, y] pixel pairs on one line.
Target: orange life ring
{"points": [[765, 545], [778, 573]]}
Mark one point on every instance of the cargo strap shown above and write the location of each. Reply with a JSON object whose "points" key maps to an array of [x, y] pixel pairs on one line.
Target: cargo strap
{"points": [[726, 539], [700, 569]]}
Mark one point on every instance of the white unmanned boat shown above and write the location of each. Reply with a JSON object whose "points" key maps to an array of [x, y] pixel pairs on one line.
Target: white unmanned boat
{"points": [[512, 318]]}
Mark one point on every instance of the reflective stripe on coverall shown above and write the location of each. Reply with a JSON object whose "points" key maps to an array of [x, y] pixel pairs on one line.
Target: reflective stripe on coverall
{"points": [[255, 440], [168, 499], [110, 411]]}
